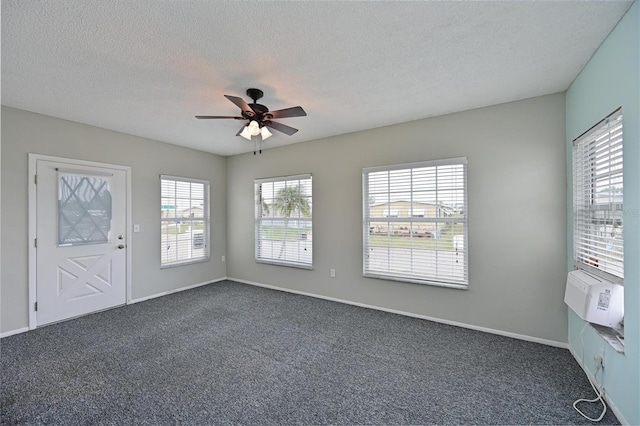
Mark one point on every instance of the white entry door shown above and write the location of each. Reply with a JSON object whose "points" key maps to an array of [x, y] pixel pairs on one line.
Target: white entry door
{"points": [[81, 242]]}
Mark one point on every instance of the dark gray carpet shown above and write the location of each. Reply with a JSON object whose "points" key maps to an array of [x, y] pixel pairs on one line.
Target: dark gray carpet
{"points": [[229, 353]]}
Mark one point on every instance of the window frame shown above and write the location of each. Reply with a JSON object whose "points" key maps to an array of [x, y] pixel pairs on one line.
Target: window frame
{"points": [[206, 218], [259, 218], [585, 190], [367, 219]]}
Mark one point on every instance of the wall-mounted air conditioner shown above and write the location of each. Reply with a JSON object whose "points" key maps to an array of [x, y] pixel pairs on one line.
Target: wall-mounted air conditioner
{"points": [[594, 299]]}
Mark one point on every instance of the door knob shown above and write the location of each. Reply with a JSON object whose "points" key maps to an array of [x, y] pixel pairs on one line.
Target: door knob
{"points": [[120, 246]]}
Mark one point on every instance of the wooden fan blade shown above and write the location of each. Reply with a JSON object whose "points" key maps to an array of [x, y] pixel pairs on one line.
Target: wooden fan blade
{"points": [[281, 127], [296, 111], [240, 103], [215, 117]]}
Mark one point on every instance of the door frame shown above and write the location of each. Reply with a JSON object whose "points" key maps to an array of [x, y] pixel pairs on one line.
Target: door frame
{"points": [[33, 159]]}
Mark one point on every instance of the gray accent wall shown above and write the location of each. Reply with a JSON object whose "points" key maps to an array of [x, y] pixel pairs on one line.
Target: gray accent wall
{"points": [[25, 132], [517, 215]]}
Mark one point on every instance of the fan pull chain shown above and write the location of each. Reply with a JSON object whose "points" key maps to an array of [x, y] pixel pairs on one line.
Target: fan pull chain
{"points": [[254, 146]]}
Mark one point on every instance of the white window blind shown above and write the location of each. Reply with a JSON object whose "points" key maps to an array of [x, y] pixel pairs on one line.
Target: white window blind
{"points": [[184, 220], [598, 199], [415, 222], [283, 221]]}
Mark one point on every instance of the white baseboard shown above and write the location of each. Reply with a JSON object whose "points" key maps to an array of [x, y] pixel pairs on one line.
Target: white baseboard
{"points": [[362, 305], [610, 403], [409, 314], [12, 332], [165, 293]]}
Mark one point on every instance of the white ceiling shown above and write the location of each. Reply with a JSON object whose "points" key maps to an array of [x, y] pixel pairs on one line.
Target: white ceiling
{"points": [[147, 67]]}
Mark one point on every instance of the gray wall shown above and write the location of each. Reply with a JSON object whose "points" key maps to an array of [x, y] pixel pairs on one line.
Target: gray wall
{"points": [[517, 211], [24, 132], [517, 215]]}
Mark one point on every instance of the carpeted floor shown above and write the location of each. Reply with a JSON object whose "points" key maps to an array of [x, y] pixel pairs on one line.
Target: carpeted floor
{"points": [[230, 353]]}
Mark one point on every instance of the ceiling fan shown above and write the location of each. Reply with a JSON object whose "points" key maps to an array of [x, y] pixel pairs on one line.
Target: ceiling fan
{"points": [[259, 117]]}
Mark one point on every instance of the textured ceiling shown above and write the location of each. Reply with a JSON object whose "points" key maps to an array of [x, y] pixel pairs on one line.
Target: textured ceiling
{"points": [[147, 67]]}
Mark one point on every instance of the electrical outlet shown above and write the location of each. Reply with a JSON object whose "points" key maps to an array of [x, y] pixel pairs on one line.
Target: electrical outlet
{"points": [[333, 273], [602, 357], [224, 259], [598, 361]]}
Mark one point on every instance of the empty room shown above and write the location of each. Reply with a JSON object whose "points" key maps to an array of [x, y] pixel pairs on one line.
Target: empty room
{"points": [[320, 212]]}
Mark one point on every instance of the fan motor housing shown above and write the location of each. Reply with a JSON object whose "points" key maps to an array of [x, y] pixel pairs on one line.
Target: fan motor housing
{"points": [[258, 108]]}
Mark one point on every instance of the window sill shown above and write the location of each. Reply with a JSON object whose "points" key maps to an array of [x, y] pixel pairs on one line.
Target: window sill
{"points": [[417, 281], [186, 262], [611, 336], [291, 265]]}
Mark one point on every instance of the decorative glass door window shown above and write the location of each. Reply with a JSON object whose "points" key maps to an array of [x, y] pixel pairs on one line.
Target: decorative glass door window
{"points": [[84, 209]]}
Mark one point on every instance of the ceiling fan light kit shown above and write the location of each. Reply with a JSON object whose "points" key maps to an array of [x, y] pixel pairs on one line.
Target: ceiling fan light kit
{"points": [[253, 128], [245, 133], [265, 133], [259, 117]]}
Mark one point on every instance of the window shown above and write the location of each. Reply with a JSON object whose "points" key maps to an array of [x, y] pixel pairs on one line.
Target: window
{"points": [[84, 209], [426, 240], [598, 199], [184, 221], [283, 221]]}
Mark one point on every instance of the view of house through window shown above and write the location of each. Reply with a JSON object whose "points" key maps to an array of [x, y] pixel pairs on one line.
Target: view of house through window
{"points": [[283, 221], [598, 199], [415, 222], [184, 220]]}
